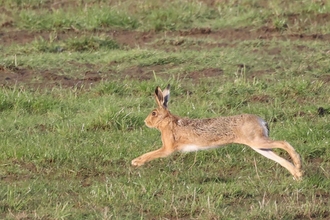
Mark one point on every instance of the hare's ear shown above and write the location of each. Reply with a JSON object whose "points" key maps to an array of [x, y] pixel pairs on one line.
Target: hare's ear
{"points": [[166, 95], [159, 96]]}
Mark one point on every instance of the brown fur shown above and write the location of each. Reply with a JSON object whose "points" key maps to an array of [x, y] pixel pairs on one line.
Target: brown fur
{"points": [[181, 134]]}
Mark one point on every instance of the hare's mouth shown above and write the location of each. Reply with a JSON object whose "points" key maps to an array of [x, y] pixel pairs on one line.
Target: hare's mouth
{"points": [[150, 124], [147, 124]]}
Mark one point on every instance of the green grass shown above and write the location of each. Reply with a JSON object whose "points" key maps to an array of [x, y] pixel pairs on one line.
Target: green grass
{"points": [[65, 153]]}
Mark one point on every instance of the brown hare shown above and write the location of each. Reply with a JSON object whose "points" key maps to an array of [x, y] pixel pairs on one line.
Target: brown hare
{"points": [[183, 134]]}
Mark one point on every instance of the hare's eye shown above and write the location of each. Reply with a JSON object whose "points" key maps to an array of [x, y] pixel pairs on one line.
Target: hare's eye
{"points": [[154, 113]]}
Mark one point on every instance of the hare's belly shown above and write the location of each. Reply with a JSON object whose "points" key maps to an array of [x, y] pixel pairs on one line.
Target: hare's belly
{"points": [[192, 147]]}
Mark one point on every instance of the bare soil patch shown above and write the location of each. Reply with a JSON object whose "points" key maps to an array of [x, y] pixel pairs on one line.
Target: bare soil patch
{"points": [[39, 79]]}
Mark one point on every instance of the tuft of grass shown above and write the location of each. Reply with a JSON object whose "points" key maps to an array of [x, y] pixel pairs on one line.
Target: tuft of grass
{"points": [[91, 44], [81, 44], [116, 121], [94, 17]]}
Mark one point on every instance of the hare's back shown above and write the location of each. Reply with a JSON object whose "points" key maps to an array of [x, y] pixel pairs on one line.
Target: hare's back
{"points": [[229, 127]]}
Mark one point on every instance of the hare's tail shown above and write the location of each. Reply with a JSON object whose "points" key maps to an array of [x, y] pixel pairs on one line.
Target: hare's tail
{"points": [[264, 126]]}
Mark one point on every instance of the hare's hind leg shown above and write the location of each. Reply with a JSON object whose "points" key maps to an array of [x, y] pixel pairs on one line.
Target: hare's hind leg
{"points": [[266, 143], [161, 152], [264, 146], [283, 162]]}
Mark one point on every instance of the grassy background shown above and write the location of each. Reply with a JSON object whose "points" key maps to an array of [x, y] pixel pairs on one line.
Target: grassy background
{"points": [[65, 152]]}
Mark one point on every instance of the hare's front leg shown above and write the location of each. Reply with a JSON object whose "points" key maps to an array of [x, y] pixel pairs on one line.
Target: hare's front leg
{"points": [[161, 152]]}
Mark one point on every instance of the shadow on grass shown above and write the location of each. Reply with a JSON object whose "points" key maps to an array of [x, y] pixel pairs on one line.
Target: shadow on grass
{"points": [[214, 180]]}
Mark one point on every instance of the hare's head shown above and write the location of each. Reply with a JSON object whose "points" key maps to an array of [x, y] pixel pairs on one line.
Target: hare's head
{"points": [[157, 116]]}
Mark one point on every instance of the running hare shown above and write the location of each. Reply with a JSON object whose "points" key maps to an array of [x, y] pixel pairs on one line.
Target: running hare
{"points": [[183, 134]]}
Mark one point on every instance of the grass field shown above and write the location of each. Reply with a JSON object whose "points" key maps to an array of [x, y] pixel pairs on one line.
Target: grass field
{"points": [[77, 81]]}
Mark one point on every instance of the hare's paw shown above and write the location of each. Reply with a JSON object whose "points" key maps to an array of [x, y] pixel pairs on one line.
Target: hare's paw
{"points": [[137, 162], [298, 175], [298, 165]]}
